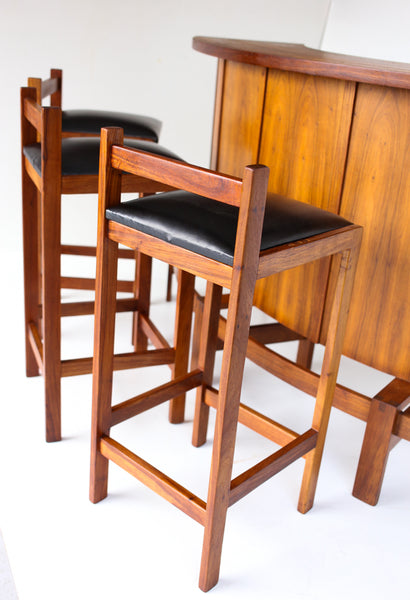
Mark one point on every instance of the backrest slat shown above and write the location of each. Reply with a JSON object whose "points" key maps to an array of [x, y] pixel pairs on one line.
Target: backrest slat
{"points": [[49, 87], [223, 188]]}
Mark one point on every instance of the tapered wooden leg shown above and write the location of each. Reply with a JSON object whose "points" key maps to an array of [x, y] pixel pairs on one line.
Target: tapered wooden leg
{"points": [[182, 339], [378, 440], [327, 382], [196, 334], [169, 283], [142, 286], [305, 353], [233, 361], [104, 321], [104, 330], [31, 268], [51, 301], [207, 345]]}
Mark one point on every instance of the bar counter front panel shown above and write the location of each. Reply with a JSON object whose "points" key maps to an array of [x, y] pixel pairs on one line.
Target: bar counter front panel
{"points": [[335, 132]]}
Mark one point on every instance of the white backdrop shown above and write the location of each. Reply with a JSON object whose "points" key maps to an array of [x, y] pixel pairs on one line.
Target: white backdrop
{"points": [[132, 55], [373, 28], [136, 55]]}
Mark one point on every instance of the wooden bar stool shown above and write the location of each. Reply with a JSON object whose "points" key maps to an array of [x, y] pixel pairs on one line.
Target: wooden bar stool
{"points": [[88, 123], [216, 227], [52, 166]]}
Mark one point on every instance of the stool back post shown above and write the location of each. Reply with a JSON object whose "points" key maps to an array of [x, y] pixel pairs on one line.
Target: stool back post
{"points": [[109, 194], [330, 366], [48, 87], [31, 234], [56, 91], [45, 124], [245, 268], [51, 264]]}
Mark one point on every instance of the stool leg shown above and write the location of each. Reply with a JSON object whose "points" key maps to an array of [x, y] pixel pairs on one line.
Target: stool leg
{"points": [[233, 362], [375, 452], [305, 353], [169, 283], [31, 268], [105, 301], [142, 291], [196, 334], [51, 323], [182, 337], [328, 375], [379, 439], [207, 344], [51, 289]]}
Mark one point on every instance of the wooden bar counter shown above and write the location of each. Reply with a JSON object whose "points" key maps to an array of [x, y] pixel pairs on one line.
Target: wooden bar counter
{"points": [[335, 132]]}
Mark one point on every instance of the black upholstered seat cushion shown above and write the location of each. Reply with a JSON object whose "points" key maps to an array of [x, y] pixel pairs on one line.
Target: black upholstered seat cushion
{"points": [[91, 121], [80, 156], [208, 227]]}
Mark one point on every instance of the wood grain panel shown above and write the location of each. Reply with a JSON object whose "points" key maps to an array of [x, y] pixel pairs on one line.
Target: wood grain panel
{"points": [[305, 134], [377, 195], [242, 109]]}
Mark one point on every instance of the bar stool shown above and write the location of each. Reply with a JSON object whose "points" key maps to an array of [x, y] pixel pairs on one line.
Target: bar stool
{"points": [[88, 123], [52, 166], [216, 227]]}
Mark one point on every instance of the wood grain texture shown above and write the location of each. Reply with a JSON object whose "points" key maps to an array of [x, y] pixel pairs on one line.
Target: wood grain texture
{"points": [[178, 257], [304, 142], [154, 479], [50, 266], [240, 117], [301, 59], [376, 196], [42, 248], [31, 244], [362, 170], [241, 279], [378, 440]]}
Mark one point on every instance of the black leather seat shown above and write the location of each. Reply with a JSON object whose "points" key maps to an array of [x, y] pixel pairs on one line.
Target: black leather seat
{"points": [[208, 227], [91, 121]]}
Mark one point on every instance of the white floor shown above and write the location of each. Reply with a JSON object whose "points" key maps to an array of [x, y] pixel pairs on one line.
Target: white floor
{"points": [[134, 544]]}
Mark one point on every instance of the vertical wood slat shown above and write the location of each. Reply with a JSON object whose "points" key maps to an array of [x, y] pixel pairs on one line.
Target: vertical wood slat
{"points": [[244, 272], [376, 195], [182, 337], [240, 117], [330, 367], [31, 245], [50, 266], [216, 128], [104, 328], [305, 135]]}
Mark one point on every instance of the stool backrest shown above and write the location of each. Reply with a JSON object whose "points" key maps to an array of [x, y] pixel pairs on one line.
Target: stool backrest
{"points": [[248, 194], [42, 125], [51, 87]]}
